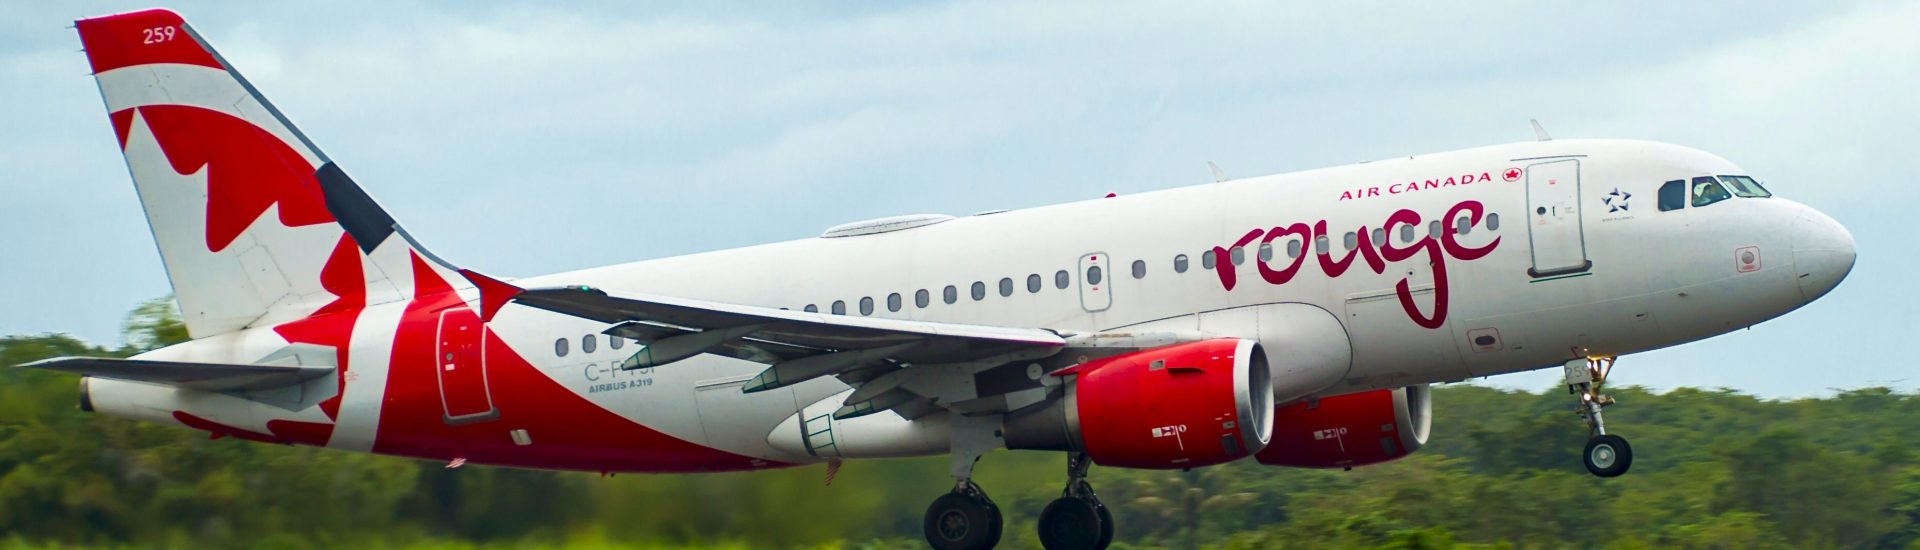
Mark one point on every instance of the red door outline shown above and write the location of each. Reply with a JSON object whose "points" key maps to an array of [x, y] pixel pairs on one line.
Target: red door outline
{"points": [[460, 364]]}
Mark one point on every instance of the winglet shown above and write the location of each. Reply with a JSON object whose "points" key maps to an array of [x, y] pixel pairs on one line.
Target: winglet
{"points": [[494, 293]]}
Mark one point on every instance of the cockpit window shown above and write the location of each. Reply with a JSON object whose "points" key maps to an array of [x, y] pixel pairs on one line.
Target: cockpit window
{"points": [[1745, 187], [1707, 190], [1673, 195]]}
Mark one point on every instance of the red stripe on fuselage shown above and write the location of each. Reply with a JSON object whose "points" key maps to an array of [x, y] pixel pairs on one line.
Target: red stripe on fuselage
{"points": [[332, 324], [566, 431]]}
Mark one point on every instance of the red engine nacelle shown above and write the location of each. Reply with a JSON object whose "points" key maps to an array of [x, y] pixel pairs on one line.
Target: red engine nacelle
{"points": [[1179, 406], [1350, 430]]}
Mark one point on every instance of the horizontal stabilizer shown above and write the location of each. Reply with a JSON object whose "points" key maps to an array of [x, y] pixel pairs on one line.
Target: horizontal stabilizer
{"points": [[199, 376]]}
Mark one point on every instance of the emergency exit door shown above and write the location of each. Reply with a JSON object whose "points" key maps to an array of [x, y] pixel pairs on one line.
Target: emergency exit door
{"points": [[1553, 201], [1096, 282], [460, 361]]}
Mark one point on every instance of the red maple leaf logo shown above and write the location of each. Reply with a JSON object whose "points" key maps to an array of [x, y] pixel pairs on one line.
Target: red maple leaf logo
{"points": [[1512, 174]]}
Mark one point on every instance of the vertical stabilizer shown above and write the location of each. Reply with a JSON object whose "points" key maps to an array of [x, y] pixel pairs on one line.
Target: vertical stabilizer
{"points": [[256, 225]]}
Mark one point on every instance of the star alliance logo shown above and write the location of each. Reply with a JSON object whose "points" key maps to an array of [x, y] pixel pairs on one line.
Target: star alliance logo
{"points": [[1616, 201]]}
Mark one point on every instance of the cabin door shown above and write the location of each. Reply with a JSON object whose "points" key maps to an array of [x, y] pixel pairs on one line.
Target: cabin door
{"points": [[1553, 204], [1096, 282], [460, 363]]}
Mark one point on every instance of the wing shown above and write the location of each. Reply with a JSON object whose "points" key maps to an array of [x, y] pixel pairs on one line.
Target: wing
{"points": [[201, 376], [913, 367]]}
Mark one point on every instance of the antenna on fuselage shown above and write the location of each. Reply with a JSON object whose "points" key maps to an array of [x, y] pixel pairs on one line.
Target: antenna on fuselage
{"points": [[1218, 174], [1539, 134]]}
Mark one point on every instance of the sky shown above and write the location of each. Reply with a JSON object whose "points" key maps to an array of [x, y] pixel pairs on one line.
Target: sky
{"points": [[627, 131]]}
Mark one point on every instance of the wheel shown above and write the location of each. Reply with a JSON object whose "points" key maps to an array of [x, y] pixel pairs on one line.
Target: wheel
{"points": [[995, 524], [957, 521], [1070, 523], [1106, 525], [1608, 455]]}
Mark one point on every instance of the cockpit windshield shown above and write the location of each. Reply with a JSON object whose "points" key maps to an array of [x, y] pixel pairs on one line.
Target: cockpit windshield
{"points": [[1707, 190], [1745, 187]]}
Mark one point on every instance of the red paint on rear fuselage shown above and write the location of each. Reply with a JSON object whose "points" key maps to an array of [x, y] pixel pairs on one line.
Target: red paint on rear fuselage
{"points": [[564, 429]]}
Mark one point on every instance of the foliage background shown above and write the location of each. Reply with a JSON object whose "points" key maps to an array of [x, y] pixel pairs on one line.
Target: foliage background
{"points": [[1713, 469]]}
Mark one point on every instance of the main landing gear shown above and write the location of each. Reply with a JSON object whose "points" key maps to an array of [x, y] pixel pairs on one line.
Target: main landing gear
{"points": [[966, 519], [1606, 455], [1077, 520]]}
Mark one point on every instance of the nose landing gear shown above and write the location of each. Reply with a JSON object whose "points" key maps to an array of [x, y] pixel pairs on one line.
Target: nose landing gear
{"points": [[1077, 520], [1606, 455]]}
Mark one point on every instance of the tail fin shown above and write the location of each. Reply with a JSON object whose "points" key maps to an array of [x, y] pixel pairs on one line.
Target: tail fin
{"points": [[256, 225]]}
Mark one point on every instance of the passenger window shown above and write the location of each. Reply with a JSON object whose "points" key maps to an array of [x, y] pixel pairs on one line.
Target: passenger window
{"points": [[1006, 286], [1707, 190], [979, 291], [1433, 229], [921, 298], [1406, 233], [866, 305], [811, 308], [950, 295], [1139, 269], [560, 347], [1673, 195], [1293, 248], [1462, 225], [1493, 222], [1320, 244], [1061, 279], [616, 342], [893, 302], [1352, 241], [1266, 252], [839, 307], [1033, 283], [1207, 260], [588, 344], [1093, 275], [1746, 187], [1379, 236], [1180, 263], [1238, 255]]}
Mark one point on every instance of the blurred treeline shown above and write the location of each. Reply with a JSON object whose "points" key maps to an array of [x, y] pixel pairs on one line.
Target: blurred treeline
{"points": [[1714, 469]]}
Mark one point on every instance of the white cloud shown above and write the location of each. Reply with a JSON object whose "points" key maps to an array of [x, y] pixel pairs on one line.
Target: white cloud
{"points": [[643, 131]]}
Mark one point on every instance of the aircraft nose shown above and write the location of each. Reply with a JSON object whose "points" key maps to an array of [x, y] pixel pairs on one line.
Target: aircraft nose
{"points": [[1822, 254]]}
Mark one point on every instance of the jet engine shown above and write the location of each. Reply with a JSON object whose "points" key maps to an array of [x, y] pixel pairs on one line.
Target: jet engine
{"points": [[1178, 406], [1350, 430]]}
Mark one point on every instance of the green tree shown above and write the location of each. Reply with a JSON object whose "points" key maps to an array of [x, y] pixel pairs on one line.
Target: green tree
{"points": [[154, 324], [1184, 497]]}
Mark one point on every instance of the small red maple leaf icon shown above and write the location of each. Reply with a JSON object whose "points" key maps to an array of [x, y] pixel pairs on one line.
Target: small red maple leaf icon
{"points": [[1512, 174]]}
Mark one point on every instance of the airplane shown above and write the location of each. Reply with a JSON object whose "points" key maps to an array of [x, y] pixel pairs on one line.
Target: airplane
{"points": [[1296, 319]]}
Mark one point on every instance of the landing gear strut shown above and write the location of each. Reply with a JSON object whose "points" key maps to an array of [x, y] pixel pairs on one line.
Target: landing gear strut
{"points": [[966, 519], [1606, 455], [1077, 520]]}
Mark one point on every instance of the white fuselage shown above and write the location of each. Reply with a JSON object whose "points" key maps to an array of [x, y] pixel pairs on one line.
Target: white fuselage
{"points": [[1641, 279]]}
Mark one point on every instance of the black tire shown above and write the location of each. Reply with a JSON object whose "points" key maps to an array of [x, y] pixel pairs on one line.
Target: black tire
{"points": [[1070, 523], [1607, 455], [961, 522], [996, 524], [1106, 526]]}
